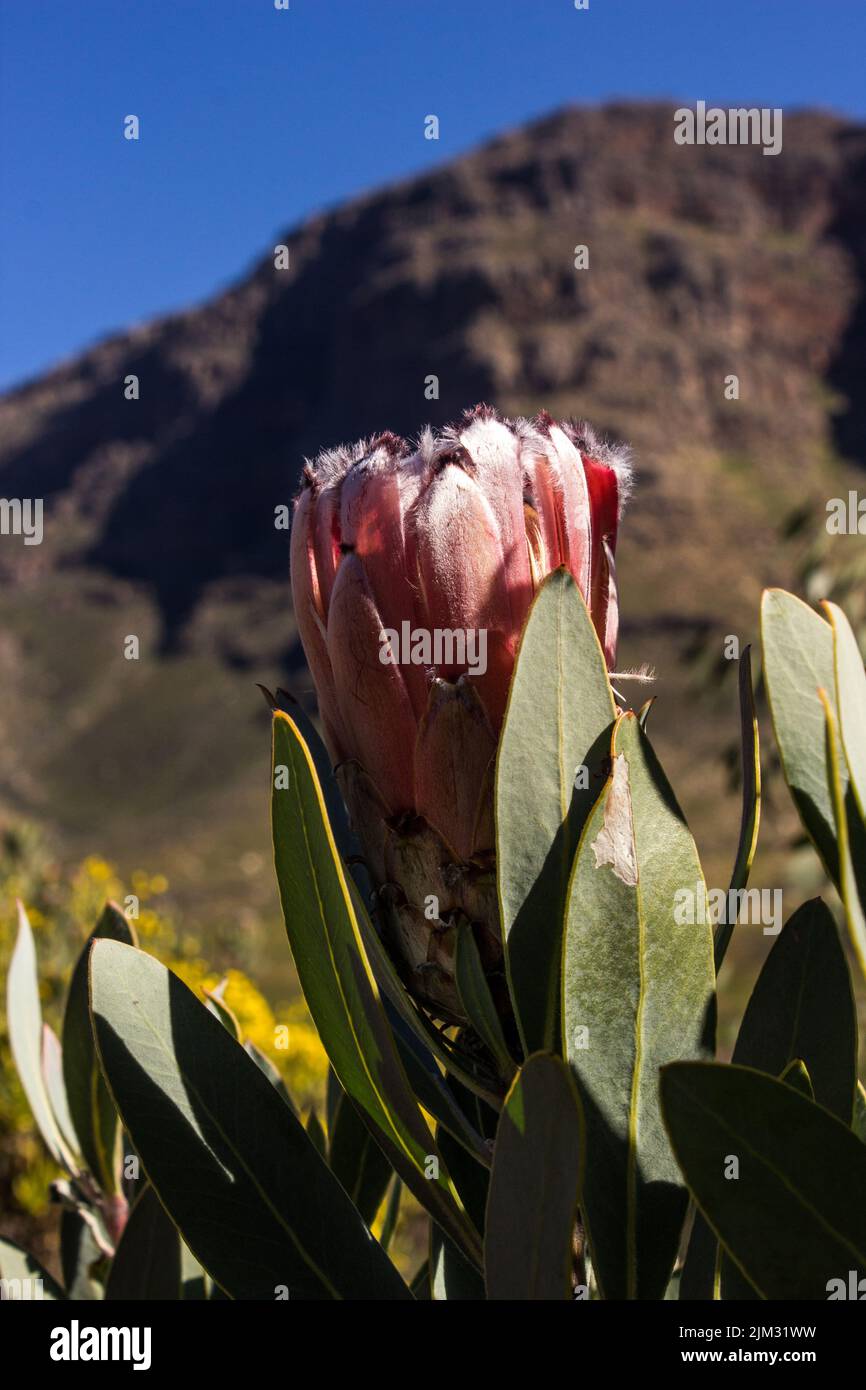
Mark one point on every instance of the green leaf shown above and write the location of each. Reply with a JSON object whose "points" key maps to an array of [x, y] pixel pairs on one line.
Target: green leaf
{"points": [[24, 1279], [849, 803], [414, 1035], [798, 661], [699, 1279], [470, 1178], [802, 1006], [315, 1133], [357, 1161], [24, 1021], [421, 1283], [850, 689], [560, 707], [751, 812], [193, 1280], [638, 992], [476, 998], [483, 1118], [414, 1032], [643, 713], [431, 1089], [733, 1284], [52, 1075], [795, 1217], [858, 1123], [215, 1001], [339, 985], [266, 1066], [334, 1094], [453, 1278], [146, 1264], [80, 1257], [335, 806], [849, 885], [90, 1105], [392, 1214], [538, 1165], [231, 1164], [796, 1074], [100, 1217]]}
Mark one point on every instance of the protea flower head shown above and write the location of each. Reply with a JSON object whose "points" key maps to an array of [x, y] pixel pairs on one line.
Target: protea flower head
{"points": [[412, 574]]}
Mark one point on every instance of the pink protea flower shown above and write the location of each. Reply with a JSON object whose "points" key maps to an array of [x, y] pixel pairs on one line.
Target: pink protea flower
{"points": [[412, 575]]}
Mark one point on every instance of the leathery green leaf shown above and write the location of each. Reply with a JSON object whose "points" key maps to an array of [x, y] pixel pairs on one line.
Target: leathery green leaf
{"points": [[794, 1218], [538, 1165], [858, 1122], [849, 885], [339, 985], [638, 992], [356, 1159], [215, 1001], [476, 999], [751, 813], [417, 1037], [798, 660], [256, 1204], [548, 773], [147, 1262], [796, 1074], [850, 702], [699, 1278], [266, 1066], [802, 1007], [52, 1075], [24, 1018], [90, 1105], [193, 1280], [452, 1277], [24, 1278], [430, 1087], [80, 1257]]}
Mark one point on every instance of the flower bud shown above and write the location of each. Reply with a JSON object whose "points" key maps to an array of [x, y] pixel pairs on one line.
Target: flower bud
{"points": [[412, 575]]}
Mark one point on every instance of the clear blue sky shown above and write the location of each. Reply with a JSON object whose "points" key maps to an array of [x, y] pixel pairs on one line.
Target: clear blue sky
{"points": [[251, 118]]}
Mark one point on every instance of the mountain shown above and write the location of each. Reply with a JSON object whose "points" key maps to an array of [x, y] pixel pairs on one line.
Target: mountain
{"points": [[704, 263]]}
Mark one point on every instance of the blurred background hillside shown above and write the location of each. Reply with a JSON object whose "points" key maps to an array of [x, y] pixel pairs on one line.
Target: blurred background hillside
{"points": [[159, 512]]}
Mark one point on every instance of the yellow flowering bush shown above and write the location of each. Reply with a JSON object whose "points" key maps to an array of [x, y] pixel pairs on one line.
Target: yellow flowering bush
{"points": [[63, 908]]}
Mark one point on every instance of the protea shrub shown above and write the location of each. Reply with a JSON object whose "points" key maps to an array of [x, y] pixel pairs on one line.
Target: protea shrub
{"points": [[522, 1016], [413, 570]]}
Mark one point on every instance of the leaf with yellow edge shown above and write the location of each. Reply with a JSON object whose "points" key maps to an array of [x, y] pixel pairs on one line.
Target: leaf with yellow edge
{"points": [[638, 992], [848, 888], [339, 985], [548, 772]]}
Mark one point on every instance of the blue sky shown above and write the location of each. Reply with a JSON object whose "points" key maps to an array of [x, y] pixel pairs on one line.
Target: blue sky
{"points": [[252, 117]]}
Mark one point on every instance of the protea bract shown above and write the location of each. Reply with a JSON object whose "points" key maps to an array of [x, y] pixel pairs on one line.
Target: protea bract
{"points": [[412, 574]]}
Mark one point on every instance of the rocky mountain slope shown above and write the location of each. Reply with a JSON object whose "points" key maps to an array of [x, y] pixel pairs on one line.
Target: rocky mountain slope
{"points": [[703, 263]]}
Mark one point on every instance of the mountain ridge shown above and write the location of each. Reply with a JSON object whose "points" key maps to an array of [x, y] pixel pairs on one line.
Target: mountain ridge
{"points": [[703, 262], [270, 357]]}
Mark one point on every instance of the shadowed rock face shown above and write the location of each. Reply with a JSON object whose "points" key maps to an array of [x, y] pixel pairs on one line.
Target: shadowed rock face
{"points": [[703, 262]]}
